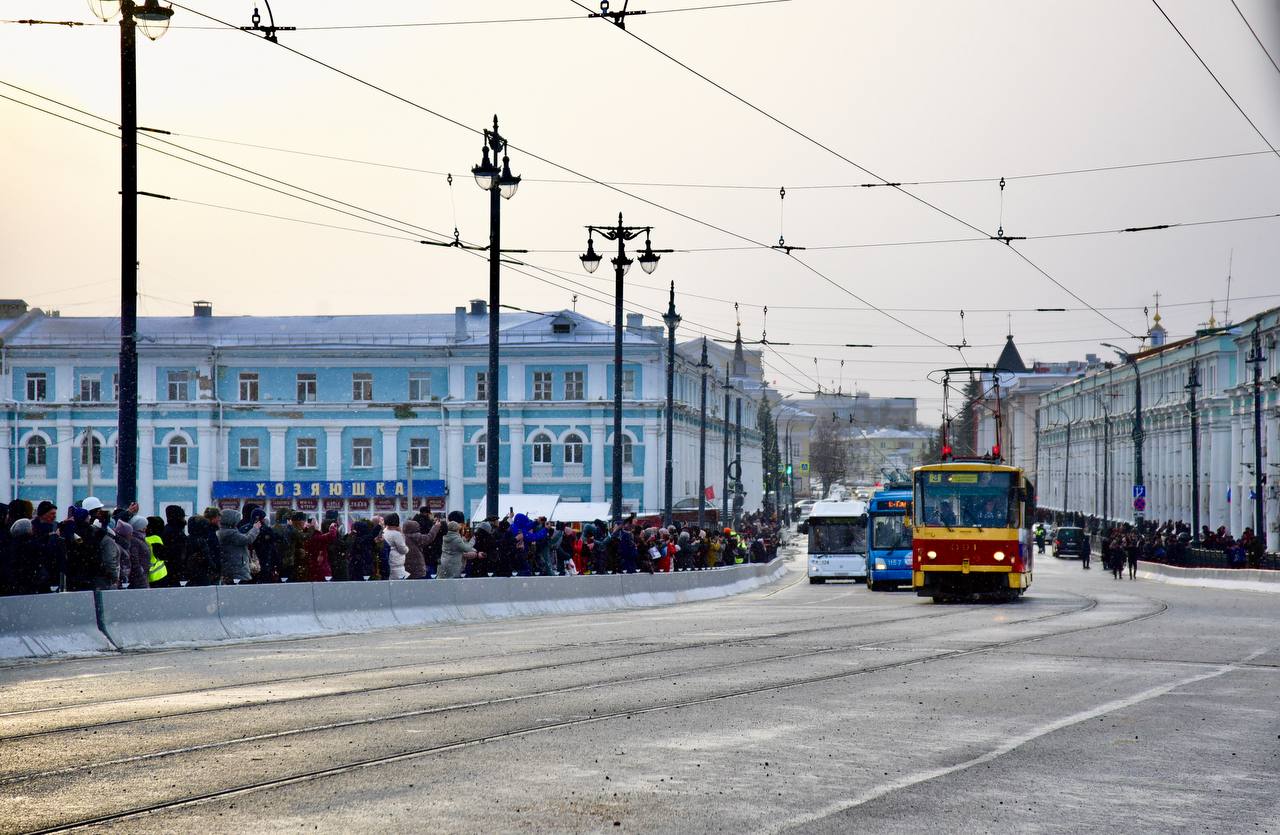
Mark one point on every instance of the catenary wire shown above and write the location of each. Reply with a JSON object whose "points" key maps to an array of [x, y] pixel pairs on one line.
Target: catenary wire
{"points": [[1253, 32]]}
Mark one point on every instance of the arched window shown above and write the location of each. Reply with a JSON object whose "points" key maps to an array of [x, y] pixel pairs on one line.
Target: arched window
{"points": [[178, 452], [37, 451], [542, 448], [628, 450], [91, 451], [482, 448], [573, 448]]}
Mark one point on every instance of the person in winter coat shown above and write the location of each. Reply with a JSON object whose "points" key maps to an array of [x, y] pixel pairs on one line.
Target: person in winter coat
{"points": [[455, 551], [174, 535], [315, 549], [234, 545], [139, 574], [109, 555], [397, 548], [23, 571], [363, 555], [485, 560], [415, 564], [160, 576], [203, 562]]}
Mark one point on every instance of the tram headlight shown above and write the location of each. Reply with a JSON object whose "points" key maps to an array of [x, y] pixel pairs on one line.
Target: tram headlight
{"points": [[999, 555], [881, 565], [933, 555]]}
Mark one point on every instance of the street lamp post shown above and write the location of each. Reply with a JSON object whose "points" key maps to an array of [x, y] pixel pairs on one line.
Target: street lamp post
{"points": [[621, 263], [737, 461], [1256, 358], [1066, 465], [1138, 434], [1193, 383], [153, 19], [671, 319], [724, 498], [501, 184], [703, 366]]}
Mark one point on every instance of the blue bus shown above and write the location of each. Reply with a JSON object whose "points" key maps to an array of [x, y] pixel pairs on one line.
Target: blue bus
{"points": [[889, 551]]}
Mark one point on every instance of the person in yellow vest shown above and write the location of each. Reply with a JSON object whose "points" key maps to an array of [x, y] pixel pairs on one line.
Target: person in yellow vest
{"points": [[158, 572]]}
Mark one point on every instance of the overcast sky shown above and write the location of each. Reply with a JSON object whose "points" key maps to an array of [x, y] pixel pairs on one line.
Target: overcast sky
{"points": [[910, 90]]}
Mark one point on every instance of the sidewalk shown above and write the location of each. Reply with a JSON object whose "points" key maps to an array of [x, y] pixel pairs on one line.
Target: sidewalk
{"points": [[1234, 579]]}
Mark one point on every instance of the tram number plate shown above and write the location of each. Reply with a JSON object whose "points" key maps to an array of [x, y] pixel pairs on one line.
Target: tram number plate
{"points": [[964, 567]]}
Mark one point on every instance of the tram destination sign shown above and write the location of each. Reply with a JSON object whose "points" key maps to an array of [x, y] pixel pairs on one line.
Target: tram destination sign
{"points": [[422, 488]]}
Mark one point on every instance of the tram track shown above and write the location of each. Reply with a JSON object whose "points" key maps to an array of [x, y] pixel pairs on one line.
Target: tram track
{"points": [[652, 650], [545, 727]]}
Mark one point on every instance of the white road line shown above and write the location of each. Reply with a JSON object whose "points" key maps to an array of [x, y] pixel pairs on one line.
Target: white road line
{"points": [[1011, 745]]}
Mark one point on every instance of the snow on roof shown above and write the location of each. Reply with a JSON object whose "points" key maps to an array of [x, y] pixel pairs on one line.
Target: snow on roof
{"points": [[532, 505]]}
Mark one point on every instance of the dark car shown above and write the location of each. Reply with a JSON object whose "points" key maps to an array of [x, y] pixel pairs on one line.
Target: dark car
{"points": [[1070, 542]]}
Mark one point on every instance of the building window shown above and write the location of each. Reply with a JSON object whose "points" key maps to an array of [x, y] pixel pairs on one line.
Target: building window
{"points": [[420, 453], [249, 386], [629, 382], [628, 450], [482, 385], [37, 452], [178, 452], [542, 385], [91, 451], [37, 385], [542, 448], [115, 387], [178, 387], [362, 386], [573, 448], [419, 386], [482, 449], [307, 454], [573, 385], [249, 453], [90, 388], [307, 387], [362, 452]]}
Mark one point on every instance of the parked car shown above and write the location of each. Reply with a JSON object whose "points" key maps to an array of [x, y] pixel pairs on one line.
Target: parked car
{"points": [[1070, 542]]}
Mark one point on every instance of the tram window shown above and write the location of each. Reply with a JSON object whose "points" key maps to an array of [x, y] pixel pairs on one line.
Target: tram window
{"points": [[966, 500]]}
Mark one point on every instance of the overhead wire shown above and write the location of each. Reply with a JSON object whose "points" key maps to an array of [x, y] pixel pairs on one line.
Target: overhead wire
{"points": [[785, 125], [1253, 32]]}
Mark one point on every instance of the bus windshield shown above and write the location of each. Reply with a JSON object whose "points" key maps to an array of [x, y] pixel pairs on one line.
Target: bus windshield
{"points": [[838, 536], [890, 533], [965, 499]]}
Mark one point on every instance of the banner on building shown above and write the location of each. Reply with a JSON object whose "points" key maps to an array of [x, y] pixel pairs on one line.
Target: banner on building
{"points": [[288, 490]]}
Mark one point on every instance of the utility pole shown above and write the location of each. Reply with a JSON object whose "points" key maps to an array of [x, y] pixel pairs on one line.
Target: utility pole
{"points": [[671, 319], [724, 498], [1193, 383], [621, 264], [408, 471], [737, 461], [1138, 436], [703, 366], [1256, 359]]}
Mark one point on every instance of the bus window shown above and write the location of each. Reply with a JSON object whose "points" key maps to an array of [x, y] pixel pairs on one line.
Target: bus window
{"points": [[843, 536], [890, 533], [966, 499]]}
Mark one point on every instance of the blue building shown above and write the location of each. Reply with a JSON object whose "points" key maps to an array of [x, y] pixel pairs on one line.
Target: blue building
{"points": [[355, 412]]}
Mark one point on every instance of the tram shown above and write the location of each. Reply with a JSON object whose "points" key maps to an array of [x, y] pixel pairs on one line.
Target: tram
{"points": [[971, 535]]}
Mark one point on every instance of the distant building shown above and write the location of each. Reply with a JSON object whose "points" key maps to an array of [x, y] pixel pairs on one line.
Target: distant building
{"points": [[328, 412], [874, 453]]}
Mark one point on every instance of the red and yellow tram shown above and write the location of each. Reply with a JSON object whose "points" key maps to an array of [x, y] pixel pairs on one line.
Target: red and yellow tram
{"points": [[971, 533]]}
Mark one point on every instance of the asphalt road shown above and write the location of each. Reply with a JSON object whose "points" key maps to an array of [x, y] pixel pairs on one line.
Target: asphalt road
{"points": [[1092, 705]]}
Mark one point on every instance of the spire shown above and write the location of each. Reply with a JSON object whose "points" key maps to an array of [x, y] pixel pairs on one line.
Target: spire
{"points": [[704, 363], [739, 358], [1010, 360], [1157, 333]]}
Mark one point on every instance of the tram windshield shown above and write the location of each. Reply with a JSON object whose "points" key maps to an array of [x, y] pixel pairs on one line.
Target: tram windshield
{"points": [[890, 533], [838, 536], [966, 499]]}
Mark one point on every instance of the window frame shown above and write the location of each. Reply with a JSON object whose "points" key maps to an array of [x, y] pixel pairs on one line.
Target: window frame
{"points": [[182, 449], [364, 446], [38, 448], [420, 453], [306, 386], [574, 449], [40, 380], [422, 381], [361, 383], [306, 448], [91, 442], [94, 383], [180, 382], [482, 385], [541, 454], [628, 450], [629, 383], [249, 382], [575, 385], [250, 454], [482, 449], [543, 385]]}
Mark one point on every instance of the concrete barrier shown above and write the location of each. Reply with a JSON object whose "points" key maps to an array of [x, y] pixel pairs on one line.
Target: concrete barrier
{"points": [[420, 602], [41, 625], [275, 610], [142, 618], [1238, 579], [591, 593], [355, 605], [481, 598]]}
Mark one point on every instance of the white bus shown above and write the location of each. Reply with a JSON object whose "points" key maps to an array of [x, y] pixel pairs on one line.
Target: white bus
{"points": [[838, 541]]}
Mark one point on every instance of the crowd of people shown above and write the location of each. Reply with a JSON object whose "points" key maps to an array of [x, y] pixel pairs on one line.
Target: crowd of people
{"points": [[93, 547], [1171, 541]]}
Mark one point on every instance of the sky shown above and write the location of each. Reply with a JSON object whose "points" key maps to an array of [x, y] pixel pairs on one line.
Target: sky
{"points": [[904, 91]]}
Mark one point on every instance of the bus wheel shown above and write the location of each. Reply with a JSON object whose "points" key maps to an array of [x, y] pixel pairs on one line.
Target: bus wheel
{"points": [[872, 585], [817, 581]]}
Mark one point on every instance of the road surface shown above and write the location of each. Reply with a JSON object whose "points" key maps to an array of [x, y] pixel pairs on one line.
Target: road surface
{"points": [[1091, 705]]}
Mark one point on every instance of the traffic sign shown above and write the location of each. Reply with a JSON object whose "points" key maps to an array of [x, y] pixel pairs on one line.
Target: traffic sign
{"points": [[1139, 503], [1139, 491]]}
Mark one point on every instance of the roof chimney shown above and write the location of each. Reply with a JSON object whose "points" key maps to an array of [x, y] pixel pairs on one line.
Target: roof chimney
{"points": [[203, 310], [460, 324], [479, 307], [635, 321]]}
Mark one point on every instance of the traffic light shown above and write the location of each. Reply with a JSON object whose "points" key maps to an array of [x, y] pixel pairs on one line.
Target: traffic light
{"points": [[788, 471]]}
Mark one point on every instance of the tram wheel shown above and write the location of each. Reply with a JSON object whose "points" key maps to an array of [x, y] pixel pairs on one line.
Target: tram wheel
{"points": [[817, 581]]}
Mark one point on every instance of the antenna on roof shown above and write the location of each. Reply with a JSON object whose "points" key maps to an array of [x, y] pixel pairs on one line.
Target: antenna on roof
{"points": [[1226, 309]]}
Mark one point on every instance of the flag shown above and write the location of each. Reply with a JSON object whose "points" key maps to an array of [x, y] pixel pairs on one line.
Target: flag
{"points": [[709, 492], [1228, 495]]}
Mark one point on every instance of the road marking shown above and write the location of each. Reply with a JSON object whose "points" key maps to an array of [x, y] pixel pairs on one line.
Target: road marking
{"points": [[1013, 744]]}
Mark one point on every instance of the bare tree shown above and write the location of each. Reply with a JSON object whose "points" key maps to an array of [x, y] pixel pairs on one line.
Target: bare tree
{"points": [[829, 452]]}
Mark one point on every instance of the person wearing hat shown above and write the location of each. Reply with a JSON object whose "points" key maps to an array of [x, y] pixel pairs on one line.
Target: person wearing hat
{"points": [[455, 550]]}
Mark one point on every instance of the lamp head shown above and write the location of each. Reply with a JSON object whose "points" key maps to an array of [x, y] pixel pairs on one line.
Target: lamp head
{"points": [[153, 19], [486, 173], [591, 259], [507, 182], [648, 258]]}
